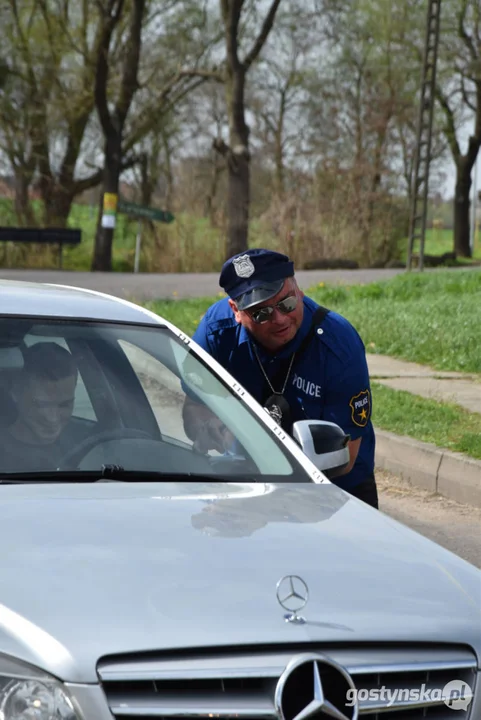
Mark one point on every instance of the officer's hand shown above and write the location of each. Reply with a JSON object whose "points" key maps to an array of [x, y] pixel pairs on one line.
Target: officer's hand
{"points": [[213, 435]]}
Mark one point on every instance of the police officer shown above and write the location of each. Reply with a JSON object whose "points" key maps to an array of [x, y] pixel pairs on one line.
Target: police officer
{"points": [[299, 360]]}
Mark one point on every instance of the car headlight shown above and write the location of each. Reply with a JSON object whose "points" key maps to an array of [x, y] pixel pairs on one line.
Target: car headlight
{"points": [[27, 693]]}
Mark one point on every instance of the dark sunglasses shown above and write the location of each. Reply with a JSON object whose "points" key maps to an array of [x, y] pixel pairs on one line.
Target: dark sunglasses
{"points": [[264, 314]]}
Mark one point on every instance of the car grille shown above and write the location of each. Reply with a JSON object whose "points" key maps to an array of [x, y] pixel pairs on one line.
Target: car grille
{"points": [[242, 685]]}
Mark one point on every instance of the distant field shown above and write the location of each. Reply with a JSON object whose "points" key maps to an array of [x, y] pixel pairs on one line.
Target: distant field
{"points": [[439, 242], [79, 257], [189, 244]]}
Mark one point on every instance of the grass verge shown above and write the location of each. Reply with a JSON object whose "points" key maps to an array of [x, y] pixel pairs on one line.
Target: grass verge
{"points": [[186, 314], [431, 318], [438, 242], [443, 424]]}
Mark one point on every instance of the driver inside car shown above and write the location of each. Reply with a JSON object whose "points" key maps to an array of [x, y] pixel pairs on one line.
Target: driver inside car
{"points": [[44, 399]]}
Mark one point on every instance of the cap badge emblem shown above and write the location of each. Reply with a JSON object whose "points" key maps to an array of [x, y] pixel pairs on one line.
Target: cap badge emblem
{"points": [[243, 266]]}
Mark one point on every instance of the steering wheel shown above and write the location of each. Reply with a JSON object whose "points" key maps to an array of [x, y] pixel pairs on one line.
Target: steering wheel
{"points": [[74, 456]]}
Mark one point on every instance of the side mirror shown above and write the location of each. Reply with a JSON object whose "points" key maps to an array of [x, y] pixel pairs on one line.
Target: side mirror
{"points": [[324, 443]]}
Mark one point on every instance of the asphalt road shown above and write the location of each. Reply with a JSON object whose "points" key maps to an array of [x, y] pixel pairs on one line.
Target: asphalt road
{"points": [[454, 526], [145, 286]]}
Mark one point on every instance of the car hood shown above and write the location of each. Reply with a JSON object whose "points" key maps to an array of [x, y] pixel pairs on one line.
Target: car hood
{"points": [[106, 568]]}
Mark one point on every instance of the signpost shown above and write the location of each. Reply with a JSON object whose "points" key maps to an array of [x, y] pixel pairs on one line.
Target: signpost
{"points": [[142, 212]]}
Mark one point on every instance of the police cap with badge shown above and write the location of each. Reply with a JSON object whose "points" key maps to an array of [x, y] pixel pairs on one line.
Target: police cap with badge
{"points": [[255, 276]]}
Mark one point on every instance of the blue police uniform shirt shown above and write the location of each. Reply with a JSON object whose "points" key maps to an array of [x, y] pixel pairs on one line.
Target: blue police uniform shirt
{"points": [[330, 381]]}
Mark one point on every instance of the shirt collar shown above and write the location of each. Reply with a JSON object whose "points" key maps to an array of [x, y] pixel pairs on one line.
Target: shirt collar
{"points": [[244, 335]]}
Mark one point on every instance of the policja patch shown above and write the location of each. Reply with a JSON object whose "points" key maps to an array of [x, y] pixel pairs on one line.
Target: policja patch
{"points": [[361, 408]]}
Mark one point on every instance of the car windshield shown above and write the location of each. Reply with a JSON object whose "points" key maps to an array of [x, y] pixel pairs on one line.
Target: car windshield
{"points": [[78, 396]]}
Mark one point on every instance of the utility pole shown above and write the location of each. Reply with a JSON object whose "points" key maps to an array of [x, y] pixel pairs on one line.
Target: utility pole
{"points": [[422, 158]]}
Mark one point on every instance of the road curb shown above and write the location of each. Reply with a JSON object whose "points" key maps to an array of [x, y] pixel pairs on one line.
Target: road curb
{"points": [[453, 475]]}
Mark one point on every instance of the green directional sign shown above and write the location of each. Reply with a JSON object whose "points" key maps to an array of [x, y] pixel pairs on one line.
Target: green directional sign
{"points": [[142, 211]]}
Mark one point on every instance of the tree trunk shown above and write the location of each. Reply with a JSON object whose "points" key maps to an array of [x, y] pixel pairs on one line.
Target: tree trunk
{"points": [[210, 204], [279, 158], [238, 190], [23, 207], [238, 156], [168, 171], [146, 184], [464, 166], [57, 208], [113, 121], [102, 259], [59, 190], [279, 146], [461, 209], [238, 205]]}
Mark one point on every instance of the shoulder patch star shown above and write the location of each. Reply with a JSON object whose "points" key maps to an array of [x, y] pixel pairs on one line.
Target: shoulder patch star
{"points": [[360, 405]]}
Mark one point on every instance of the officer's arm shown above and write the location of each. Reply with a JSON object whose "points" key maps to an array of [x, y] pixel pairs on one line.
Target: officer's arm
{"points": [[348, 401], [353, 446]]}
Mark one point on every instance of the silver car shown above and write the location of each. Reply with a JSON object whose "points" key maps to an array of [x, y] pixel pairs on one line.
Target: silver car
{"points": [[143, 576]]}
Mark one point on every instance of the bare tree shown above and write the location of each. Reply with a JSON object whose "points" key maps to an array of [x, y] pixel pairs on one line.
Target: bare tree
{"points": [[459, 95], [113, 120], [46, 110], [80, 26], [175, 44], [28, 86], [279, 89], [363, 110], [237, 152], [205, 117], [18, 142], [155, 172]]}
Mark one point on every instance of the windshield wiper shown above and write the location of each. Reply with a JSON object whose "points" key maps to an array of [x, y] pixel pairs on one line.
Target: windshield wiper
{"points": [[106, 473]]}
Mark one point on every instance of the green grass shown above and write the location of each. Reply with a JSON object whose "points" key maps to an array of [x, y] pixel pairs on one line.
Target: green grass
{"points": [[79, 257], [443, 424], [440, 241], [186, 314], [432, 318], [7, 215]]}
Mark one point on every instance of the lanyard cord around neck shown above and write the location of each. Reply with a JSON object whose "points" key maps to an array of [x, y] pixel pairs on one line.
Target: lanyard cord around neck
{"points": [[317, 318], [275, 392]]}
